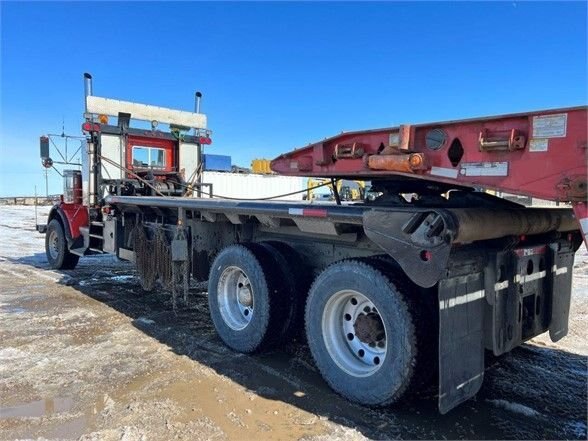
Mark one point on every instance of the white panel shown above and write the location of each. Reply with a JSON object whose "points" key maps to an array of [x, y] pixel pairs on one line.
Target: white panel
{"points": [[188, 159], [111, 147], [550, 126], [484, 169], [444, 172], [107, 106], [251, 186]]}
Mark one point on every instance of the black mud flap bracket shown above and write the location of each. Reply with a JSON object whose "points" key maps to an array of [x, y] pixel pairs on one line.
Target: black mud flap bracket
{"points": [[461, 344], [420, 242]]}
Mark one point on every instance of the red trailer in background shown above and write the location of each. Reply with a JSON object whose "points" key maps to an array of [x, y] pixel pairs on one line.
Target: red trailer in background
{"points": [[410, 285]]}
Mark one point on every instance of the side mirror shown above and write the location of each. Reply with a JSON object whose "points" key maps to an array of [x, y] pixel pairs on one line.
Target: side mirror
{"points": [[44, 144]]}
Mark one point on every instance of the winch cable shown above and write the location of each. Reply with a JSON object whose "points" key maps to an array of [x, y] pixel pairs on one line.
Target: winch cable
{"points": [[110, 161], [188, 187]]}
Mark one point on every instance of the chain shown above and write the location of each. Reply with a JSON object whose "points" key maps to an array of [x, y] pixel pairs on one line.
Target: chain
{"points": [[154, 262], [181, 270], [144, 261]]}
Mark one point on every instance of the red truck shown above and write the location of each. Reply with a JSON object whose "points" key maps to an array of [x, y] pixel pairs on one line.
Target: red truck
{"points": [[411, 285]]}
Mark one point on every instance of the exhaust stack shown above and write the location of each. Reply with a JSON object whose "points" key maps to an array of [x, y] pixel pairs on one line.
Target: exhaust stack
{"points": [[90, 171], [87, 88], [197, 104]]}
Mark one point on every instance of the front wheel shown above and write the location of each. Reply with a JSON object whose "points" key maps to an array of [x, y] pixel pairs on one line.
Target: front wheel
{"points": [[361, 333], [56, 249]]}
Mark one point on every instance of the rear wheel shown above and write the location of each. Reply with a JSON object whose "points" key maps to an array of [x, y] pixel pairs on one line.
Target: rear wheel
{"points": [[56, 249], [245, 297], [361, 333]]}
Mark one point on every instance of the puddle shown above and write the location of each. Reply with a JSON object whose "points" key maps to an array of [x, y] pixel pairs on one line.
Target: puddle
{"points": [[71, 428], [38, 408], [88, 281], [121, 278]]}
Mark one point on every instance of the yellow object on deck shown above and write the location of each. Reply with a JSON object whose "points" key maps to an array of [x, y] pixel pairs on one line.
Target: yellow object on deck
{"points": [[261, 166]]}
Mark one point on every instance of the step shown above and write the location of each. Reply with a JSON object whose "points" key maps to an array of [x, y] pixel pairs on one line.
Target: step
{"points": [[97, 236], [96, 250], [97, 223]]}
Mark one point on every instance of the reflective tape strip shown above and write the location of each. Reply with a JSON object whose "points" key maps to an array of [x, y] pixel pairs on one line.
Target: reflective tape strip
{"points": [[466, 298], [459, 386], [499, 286], [308, 212], [524, 279], [559, 271]]}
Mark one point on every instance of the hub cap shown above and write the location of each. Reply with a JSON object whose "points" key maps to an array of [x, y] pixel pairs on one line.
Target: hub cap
{"points": [[53, 244], [235, 298], [354, 333]]}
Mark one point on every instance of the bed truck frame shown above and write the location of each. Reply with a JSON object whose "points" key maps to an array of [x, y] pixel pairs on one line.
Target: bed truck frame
{"points": [[392, 293]]}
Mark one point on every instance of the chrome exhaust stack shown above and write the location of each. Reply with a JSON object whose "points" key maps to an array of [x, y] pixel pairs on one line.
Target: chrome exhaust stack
{"points": [[87, 88], [197, 102], [90, 168]]}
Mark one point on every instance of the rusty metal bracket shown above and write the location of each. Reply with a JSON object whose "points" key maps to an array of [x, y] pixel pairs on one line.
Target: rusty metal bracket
{"points": [[503, 140], [349, 151]]}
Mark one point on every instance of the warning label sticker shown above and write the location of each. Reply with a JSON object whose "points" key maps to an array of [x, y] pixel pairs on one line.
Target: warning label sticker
{"points": [[550, 126], [538, 145]]}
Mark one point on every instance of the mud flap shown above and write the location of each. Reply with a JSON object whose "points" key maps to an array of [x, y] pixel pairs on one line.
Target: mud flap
{"points": [[561, 294], [461, 346]]}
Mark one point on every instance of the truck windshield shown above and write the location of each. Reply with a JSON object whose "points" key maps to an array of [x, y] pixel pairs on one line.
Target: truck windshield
{"points": [[148, 157]]}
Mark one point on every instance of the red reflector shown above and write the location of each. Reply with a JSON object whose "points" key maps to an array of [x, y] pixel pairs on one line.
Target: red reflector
{"points": [[96, 127], [426, 255], [205, 140], [314, 212], [309, 212]]}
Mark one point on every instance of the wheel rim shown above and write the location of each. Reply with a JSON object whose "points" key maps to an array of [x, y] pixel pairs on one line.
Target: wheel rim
{"points": [[235, 298], [354, 333], [53, 244]]}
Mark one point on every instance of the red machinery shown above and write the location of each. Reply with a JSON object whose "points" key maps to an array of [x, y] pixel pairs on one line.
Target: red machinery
{"points": [[541, 154]]}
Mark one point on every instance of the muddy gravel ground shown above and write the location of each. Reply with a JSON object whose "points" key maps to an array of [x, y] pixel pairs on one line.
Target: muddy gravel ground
{"points": [[87, 354]]}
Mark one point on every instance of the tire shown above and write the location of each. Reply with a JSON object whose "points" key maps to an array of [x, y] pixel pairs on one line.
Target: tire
{"points": [[245, 278], [351, 306], [295, 275], [422, 303], [56, 249]]}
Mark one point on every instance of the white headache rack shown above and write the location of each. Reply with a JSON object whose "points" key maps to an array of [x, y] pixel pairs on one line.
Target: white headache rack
{"points": [[145, 112]]}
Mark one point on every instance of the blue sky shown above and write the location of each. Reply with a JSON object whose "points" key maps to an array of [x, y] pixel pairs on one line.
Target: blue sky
{"points": [[276, 76]]}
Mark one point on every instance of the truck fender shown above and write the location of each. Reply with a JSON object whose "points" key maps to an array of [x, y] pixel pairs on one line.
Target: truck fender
{"points": [[57, 213]]}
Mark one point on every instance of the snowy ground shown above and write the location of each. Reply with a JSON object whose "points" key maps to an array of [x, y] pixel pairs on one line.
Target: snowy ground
{"points": [[87, 354]]}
